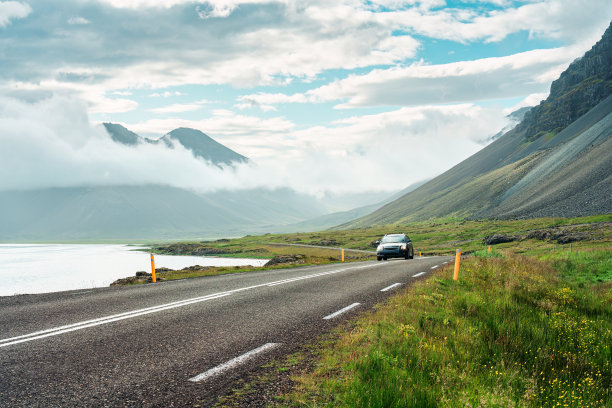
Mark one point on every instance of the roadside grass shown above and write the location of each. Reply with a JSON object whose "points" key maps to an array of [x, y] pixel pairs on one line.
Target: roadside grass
{"points": [[514, 331], [431, 237]]}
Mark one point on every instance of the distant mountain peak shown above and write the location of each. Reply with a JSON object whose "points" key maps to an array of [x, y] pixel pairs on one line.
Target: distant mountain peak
{"points": [[204, 146], [122, 135], [199, 143]]}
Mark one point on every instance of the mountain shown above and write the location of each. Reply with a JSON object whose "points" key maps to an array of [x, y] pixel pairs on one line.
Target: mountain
{"points": [[199, 143], [119, 213], [122, 135], [203, 146], [556, 162]]}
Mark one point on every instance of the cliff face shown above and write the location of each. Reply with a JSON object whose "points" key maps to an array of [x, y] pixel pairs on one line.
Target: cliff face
{"points": [[585, 83]]}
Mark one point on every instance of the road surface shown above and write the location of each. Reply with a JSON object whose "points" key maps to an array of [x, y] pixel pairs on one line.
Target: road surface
{"points": [[182, 342]]}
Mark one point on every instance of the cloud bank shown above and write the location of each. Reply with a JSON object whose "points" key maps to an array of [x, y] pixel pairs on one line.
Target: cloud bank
{"points": [[51, 143]]}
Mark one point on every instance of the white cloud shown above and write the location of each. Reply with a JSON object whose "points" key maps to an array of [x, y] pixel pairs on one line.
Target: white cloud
{"points": [[10, 10], [78, 21], [465, 81], [530, 100], [165, 94], [215, 10], [53, 144]]}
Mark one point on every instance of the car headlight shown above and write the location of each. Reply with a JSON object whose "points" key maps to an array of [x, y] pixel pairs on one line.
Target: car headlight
{"points": [[379, 248], [403, 247]]}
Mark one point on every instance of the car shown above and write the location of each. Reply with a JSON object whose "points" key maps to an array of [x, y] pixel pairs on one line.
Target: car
{"points": [[394, 246]]}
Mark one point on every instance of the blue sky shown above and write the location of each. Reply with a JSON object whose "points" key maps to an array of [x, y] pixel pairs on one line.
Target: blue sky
{"points": [[321, 95]]}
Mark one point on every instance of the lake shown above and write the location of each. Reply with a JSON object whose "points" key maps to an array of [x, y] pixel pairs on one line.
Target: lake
{"points": [[41, 268]]}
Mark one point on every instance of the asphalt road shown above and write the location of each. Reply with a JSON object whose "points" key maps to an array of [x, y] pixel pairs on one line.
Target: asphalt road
{"points": [[177, 343]]}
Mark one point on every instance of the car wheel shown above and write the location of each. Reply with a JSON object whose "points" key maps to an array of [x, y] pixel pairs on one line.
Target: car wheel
{"points": [[379, 258], [412, 255], [384, 258]]}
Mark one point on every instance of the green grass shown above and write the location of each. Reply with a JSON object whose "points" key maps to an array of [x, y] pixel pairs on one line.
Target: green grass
{"points": [[514, 331]]}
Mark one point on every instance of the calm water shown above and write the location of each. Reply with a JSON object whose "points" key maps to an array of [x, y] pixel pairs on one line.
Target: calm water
{"points": [[50, 268]]}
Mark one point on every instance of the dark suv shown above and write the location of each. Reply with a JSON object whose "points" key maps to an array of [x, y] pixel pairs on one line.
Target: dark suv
{"points": [[395, 246]]}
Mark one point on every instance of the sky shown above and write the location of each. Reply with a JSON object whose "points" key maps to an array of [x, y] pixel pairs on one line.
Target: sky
{"points": [[322, 96]]}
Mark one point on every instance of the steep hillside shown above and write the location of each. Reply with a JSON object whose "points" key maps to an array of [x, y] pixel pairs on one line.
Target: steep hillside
{"points": [[556, 162]]}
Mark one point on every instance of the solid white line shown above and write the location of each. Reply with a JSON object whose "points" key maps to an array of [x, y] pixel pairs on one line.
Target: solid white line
{"points": [[315, 275], [339, 312], [391, 287], [139, 312], [98, 322], [435, 266], [232, 363], [419, 274]]}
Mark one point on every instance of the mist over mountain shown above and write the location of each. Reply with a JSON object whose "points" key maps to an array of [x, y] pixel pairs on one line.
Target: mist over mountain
{"points": [[556, 162], [199, 143]]}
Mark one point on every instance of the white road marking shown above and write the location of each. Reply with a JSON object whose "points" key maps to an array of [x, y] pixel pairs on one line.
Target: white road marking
{"points": [[419, 274], [139, 312], [103, 320], [232, 363], [339, 312], [391, 287], [435, 266]]}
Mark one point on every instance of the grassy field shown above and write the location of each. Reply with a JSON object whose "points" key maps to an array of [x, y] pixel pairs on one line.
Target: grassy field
{"points": [[514, 331]]}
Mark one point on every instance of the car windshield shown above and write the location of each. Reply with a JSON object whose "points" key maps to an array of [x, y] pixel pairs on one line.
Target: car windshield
{"points": [[387, 239]]}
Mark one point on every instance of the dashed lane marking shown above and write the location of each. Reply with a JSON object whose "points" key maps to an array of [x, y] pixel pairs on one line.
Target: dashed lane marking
{"points": [[418, 274], [232, 363], [395, 285], [339, 312]]}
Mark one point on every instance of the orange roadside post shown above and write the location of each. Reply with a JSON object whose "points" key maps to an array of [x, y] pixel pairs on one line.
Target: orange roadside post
{"points": [[489, 249], [153, 268], [457, 260], [342, 254]]}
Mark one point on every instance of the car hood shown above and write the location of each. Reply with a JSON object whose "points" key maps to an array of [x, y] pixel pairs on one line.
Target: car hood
{"points": [[392, 244]]}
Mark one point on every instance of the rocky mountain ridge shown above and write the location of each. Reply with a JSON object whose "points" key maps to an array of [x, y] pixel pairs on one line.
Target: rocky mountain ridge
{"points": [[585, 83]]}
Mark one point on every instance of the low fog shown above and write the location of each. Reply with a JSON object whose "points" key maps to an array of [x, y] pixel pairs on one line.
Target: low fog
{"points": [[52, 143]]}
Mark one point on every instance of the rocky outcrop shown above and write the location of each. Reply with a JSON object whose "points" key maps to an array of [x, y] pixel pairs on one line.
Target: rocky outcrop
{"points": [[559, 235], [585, 83], [286, 260]]}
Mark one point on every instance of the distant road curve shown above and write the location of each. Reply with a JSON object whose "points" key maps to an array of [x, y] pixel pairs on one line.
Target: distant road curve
{"points": [[322, 247]]}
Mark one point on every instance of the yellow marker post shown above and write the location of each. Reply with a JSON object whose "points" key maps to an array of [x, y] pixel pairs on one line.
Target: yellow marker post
{"points": [[342, 254], [457, 260], [420, 254], [153, 268], [489, 249]]}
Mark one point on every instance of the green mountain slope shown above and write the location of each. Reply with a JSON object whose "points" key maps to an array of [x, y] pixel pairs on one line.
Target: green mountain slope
{"points": [[556, 162]]}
